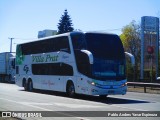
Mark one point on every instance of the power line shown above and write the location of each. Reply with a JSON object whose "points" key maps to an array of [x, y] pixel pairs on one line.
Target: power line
{"points": [[11, 39], [116, 29], [25, 38]]}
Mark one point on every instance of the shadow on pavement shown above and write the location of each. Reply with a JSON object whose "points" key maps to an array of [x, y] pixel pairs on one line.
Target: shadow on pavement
{"points": [[107, 100]]}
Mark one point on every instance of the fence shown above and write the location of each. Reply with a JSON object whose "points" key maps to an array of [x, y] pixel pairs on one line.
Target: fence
{"points": [[141, 84]]}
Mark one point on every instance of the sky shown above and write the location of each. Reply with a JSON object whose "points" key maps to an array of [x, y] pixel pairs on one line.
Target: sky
{"points": [[22, 19]]}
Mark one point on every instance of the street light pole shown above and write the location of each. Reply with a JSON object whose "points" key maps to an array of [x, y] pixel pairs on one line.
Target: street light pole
{"points": [[11, 44], [151, 59]]}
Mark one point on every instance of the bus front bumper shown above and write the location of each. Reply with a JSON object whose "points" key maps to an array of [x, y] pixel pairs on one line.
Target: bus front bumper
{"points": [[104, 91]]}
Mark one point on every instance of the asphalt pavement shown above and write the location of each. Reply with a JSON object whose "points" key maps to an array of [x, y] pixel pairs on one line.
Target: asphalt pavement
{"points": [[45, 105]]}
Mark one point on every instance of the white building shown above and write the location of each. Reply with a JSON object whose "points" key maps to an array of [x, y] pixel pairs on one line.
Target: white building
{"points": [[46, 33]]}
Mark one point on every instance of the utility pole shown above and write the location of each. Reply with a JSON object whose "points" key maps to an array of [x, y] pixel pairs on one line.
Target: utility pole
{"points": [[11, 44]]}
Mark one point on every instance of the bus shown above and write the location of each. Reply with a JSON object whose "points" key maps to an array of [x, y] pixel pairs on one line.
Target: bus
{"points": [[89, 63]]}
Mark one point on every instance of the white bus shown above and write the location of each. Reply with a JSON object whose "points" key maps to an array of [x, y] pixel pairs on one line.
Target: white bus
{"points": [[76, 63]]}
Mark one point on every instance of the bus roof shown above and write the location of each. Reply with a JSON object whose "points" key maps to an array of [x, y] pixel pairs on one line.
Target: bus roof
{"points": [[67, 34]]}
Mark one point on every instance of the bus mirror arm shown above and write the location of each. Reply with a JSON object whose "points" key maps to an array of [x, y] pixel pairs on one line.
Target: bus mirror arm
{"points": [[90, 55], [131, 57]]}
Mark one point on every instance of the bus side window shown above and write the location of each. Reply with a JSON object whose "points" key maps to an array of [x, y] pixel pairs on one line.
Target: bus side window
{"points": [[63, 44]]}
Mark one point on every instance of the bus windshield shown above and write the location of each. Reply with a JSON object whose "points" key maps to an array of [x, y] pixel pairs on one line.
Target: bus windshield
{"points": [[108, 53], [104, 46]]}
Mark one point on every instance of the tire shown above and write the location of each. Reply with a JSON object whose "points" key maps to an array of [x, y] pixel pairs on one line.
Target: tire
{"points": [[30, 86], [25, 85], [70, 90]]}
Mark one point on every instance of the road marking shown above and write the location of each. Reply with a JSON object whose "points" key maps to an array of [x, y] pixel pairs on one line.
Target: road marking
{"points": [[66, 105], [26, 104], [130, 108], [22, 103], [91, 106], [33, 103], [77, 105]]}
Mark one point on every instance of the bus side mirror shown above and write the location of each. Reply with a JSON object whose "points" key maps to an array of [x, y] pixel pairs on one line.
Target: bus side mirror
{"points": [[89, 54]]}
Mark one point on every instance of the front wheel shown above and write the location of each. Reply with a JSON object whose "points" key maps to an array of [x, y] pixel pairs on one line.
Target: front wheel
{"points": [[70, 89]]}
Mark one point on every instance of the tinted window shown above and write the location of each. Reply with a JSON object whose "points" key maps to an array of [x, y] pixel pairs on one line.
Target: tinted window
{"points": [[105, 46], [44, 46], [52, 69], [78, 41], [82, 62], [108, 53], [62, 43]]}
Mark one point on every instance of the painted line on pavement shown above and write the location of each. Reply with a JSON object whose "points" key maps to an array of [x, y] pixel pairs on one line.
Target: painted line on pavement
{"points": [[43, 108]]}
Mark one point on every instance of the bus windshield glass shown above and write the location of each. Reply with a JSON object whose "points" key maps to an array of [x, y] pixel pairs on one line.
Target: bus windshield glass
{"points": [[108, 55], [104, 46]]}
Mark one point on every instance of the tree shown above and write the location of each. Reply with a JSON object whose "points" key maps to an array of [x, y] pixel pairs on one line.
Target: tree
{"points": [[65, 23], [131, 41], [131, 38]]}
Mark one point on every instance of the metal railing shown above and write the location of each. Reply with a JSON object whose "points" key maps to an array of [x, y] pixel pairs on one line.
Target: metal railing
{"points": [[141, 84]]}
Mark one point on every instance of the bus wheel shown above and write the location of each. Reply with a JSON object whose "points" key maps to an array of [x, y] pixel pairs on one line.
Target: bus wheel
{"points": [[70, 89], [30, 86], [25, 85]]}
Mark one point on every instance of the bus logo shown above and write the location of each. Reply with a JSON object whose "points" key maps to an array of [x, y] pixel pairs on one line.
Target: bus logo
{"points": [[26, 69]]}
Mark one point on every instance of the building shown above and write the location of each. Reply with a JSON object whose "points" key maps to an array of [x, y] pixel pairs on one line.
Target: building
{"points": [[46, 33]]}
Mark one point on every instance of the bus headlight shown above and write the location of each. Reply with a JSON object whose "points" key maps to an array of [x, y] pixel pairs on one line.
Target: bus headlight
{"points": [[124, 84], [92, 83]]}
